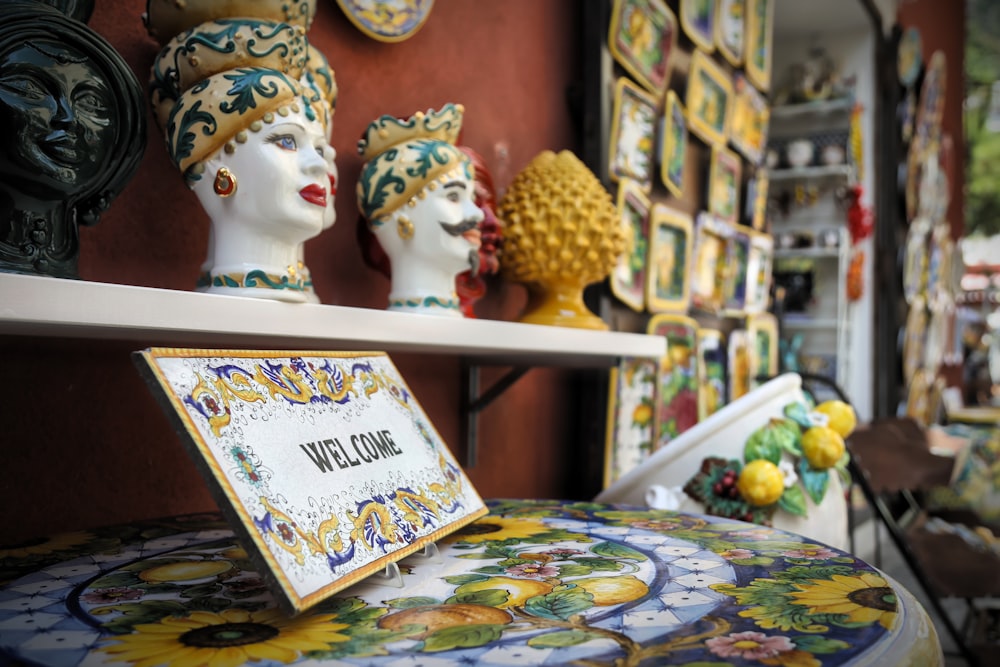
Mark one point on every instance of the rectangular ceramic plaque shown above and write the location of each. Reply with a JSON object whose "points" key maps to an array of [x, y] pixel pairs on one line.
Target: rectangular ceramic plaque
{"points": [[324, 462]]}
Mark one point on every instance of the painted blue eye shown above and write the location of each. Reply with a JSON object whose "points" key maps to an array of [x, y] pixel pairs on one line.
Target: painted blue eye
{"points": [[284, 141]]}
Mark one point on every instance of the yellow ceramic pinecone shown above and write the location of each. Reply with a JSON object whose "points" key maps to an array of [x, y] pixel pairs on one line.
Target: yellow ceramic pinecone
{"points": [[560, 223]]}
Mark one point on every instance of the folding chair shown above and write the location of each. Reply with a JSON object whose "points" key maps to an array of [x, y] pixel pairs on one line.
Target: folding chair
{"points": [[894, 467]]}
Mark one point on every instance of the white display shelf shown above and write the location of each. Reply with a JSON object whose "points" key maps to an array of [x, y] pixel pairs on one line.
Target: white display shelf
{"points": [[811, 109], [815, 252], [792, 322], [53, 307], [805, 173]]}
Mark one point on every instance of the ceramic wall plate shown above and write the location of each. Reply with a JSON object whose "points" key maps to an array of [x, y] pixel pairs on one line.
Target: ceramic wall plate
{"points": [[738, 359], [914, 339], [668, 285], [932, 96], [915, 261], [698, 20], [915, 158], [708, 273], [633, 133], [673, 145], [677, 384], [759, 266], [933, 192], [387, 21], [631, 395], [940, 295], [918, 397], [759, 47], [738, 262], [757, 195], [709, 99], [762, 330], [906, 115], [711, 372], [642, 37], [628, 279], [724, 183], [730, 30], [937, 338], [909, 57], [751, 118]]}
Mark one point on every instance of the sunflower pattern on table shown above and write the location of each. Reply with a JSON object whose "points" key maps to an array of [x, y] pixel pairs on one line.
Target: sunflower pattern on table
{"points": [[532, 583]]}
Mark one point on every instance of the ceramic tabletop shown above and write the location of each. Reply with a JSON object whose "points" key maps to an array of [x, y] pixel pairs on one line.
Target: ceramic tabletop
{"points": [[532, 583]]}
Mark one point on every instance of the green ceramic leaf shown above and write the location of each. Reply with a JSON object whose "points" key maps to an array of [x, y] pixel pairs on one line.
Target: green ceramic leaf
{"points": [[573, 570], [408, 603], [819, 644], [793, 501], [768, 441], [493, 597], [560, 605], [459, 579], [814, 481], [799, 414], [613, 550], [562, 639], [462, 636]]}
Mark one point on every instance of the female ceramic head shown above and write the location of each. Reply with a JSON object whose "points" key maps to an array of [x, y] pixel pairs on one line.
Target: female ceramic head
{"points": [[251, 142], [74, 133], [416, 190]]}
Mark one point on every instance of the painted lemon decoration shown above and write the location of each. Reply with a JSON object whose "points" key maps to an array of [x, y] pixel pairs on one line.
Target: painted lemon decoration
{"points": [[761, 483], [840, 416], [186, 571], [613, 590], [518, 590], [822, 447], [434, 617]]}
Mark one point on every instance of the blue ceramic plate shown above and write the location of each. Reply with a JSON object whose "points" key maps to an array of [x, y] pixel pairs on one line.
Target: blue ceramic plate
{"points": [[387, 20]]}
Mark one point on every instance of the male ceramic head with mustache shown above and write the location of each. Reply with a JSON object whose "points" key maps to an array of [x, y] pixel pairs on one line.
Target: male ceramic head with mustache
{"points": [[416, 191]]}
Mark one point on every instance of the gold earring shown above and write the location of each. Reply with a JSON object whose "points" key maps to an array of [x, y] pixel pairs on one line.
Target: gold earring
{"points": [[404, 227], [225, 183]]}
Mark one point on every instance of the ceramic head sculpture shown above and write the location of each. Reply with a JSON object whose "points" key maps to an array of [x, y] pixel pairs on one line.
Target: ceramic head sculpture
{"points": [[319, 76], [164, 19], [470, 285], [416, 191], [251, 143], [72, 134], [561, 233]]}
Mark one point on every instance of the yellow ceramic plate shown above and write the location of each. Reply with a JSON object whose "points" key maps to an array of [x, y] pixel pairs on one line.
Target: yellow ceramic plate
{"points": [[668, 276], [387, 20]]}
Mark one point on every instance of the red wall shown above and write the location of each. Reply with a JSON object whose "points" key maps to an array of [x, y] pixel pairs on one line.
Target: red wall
{"points": [[84, 442]]}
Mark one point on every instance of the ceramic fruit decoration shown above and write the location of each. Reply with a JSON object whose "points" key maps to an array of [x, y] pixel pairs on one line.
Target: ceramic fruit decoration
{"points": [[561, 233], [785, 461]]}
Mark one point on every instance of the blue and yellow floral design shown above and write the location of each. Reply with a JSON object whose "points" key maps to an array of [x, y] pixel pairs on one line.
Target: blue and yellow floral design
{"points": [[533, 583]]}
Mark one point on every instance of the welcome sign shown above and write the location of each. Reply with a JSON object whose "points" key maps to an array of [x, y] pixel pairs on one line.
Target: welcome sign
{"points": [[325, 462]]}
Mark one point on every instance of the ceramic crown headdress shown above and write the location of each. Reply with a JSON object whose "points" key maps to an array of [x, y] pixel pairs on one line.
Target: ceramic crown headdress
{"points": [[216, 81], [404, 155]]}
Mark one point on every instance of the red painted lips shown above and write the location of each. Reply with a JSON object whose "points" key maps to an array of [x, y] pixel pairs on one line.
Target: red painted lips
{"points": [[314, 194]]}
